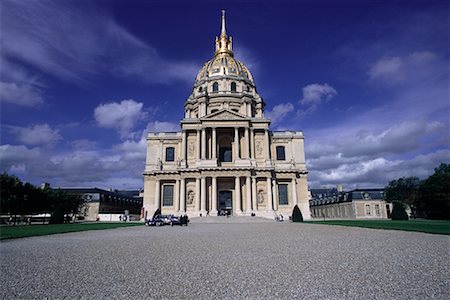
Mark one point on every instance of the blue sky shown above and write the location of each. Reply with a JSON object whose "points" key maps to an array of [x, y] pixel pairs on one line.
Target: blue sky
{"points": [[83, 81]]}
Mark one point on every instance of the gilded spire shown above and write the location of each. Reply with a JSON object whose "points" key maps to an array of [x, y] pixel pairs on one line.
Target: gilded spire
{"points": [[224, 43], [224, 31]]}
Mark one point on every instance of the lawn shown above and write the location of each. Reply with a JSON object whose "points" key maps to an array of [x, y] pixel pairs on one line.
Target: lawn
{"points": [[428, 226], [12, 232]]}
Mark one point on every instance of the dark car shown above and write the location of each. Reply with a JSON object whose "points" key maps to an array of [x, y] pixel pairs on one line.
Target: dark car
{"points": [[175, 220], [158, 220]]}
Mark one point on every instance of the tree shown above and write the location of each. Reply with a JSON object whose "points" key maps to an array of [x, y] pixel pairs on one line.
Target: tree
{"points": [[405, 190], [435, 193], [157, 212], [297, 215], [398, 211]]}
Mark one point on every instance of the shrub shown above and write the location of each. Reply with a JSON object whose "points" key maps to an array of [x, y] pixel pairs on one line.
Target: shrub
{"points": [[398, 211], [297, 215], [157, 212]]}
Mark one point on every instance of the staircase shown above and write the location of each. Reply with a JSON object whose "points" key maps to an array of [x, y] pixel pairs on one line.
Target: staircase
{"points": [[230, 219]]}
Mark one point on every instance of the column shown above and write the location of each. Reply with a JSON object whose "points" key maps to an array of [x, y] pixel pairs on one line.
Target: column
{"points": [[183, 146], [182, 195], [275, 194], [266, 138], [157, 194], [237, 190], [269, 194], [199, 147], [214, 143], [177, 196], [254, 195], [203, 196], [197, 194], [248, 188], [214, 196], [294, 191], [236, 142], [247, 143], [203, 143], [252, 143]]}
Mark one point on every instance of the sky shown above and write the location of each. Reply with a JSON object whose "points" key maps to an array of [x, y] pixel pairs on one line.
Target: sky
{"points": [[83, 82]]}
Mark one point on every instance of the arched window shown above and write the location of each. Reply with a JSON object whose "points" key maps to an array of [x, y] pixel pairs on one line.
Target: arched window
{"points": [[233, 86], [170, 154], [281, 155], [215, 87]]}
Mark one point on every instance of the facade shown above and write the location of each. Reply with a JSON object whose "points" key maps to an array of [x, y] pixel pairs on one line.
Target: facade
{"points": [[103, 205], [225, 160], [356, 204]]}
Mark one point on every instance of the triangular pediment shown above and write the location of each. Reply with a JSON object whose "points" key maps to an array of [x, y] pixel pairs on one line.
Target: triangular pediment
{"points": [[224, 114]]}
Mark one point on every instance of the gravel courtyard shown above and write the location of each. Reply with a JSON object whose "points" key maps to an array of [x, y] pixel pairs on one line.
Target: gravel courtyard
{"points": [[211, 261]]}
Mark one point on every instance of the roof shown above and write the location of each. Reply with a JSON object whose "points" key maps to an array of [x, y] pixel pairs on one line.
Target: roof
{"points": [[320, 197]]}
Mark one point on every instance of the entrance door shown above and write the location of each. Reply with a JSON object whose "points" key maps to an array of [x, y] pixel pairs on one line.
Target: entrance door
{"points": [[225, 202]]}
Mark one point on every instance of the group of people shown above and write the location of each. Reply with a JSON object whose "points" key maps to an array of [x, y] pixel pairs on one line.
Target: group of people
{"points": [[279, 218]]}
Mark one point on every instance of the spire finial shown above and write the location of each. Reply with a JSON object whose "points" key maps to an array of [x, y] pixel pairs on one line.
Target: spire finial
{"points": [[224, 31]]}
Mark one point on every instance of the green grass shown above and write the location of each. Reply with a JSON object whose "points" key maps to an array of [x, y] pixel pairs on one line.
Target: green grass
{"points": [[428, 226], [13, 232]]}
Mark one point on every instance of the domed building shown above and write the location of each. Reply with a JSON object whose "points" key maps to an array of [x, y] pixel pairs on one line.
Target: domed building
{"points": [[225, 161]]}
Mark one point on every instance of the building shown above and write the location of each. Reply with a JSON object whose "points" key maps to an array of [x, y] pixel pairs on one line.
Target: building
{"points": [[103, 205], [225, 159], [356, 204]]}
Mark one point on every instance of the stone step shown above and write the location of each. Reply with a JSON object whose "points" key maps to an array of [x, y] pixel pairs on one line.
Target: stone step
{"points": [[230, 219]]}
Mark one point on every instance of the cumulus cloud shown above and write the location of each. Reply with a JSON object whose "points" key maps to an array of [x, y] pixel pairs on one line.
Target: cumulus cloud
{"points": [[122, 116], [20, 94], [402, 69], [315, 94], [37, 135], [279, 112], [158, 126]]}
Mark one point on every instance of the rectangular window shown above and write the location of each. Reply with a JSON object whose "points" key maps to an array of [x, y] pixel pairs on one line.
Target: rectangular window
{"points": [[168, 195], [368, 211], [283, 194], [170, 154], [281, 155], [377, 209]]}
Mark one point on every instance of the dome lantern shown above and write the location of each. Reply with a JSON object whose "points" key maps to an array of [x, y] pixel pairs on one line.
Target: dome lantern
{"points": [[224, 44]]}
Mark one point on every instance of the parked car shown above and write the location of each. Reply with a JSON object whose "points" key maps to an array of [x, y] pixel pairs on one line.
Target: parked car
{"points": [[158, 220], [175, 220]]}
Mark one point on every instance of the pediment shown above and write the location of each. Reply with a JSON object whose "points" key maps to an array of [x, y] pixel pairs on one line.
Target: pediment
{"points": [[224, 114]]}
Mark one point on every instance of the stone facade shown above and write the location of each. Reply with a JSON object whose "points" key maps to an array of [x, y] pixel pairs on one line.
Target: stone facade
{"points": [[225, 159]]}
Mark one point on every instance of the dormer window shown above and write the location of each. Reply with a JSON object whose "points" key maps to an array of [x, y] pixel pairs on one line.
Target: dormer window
{"points": [[233, 86], [200, 89], [215, 87]]}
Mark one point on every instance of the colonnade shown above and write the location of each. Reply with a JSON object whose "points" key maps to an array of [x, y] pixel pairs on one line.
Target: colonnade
{"points": [[201, 199], [247, 150]]}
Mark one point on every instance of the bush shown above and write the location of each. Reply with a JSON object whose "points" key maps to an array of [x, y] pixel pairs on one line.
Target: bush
{"points": [[297, 215], [398, 211], [57, 216], [157, 212]]}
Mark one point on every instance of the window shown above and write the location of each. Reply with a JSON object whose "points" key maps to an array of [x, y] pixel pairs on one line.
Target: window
{"points": [[167, 195], [233, 86], [170, 154], [215, 87], [225, 154], [214, 110], [368, 211], [377, 209], [281, 155], [200, 89], [283, 194]]}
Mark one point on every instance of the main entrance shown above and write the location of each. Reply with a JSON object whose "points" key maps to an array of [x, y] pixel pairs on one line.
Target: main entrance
{"points": [[225, 203]]}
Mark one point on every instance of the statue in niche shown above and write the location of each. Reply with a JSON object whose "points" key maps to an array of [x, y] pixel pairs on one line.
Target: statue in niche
{"points": [[259, 148], [190, 197], [261, 196], [191, 149]]}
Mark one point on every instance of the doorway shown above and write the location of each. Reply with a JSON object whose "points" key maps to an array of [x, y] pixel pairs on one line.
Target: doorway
{"points": [[225, 203]]}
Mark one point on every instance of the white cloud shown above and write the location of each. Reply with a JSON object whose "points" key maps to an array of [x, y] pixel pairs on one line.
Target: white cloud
{"points": [[158, 126], [279, 112], [419, 65], [122, 116], [37, 135], [20, 94], [313, 95]]}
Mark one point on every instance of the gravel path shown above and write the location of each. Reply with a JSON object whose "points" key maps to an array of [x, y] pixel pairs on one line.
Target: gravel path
{"points": [[228, 261]]}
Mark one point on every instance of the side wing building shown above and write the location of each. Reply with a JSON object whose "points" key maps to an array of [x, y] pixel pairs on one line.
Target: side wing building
{"points": [[225, 160]]}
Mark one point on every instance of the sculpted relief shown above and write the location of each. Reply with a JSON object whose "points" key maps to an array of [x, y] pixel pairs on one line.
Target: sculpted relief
{"points": [[191, 149], [261, 196], [259, 149], [190, 198]]}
